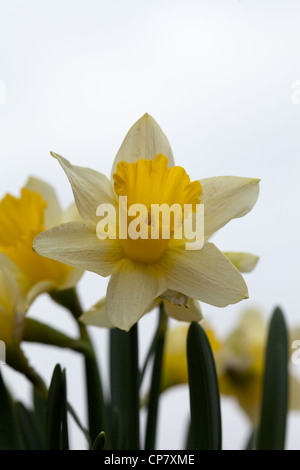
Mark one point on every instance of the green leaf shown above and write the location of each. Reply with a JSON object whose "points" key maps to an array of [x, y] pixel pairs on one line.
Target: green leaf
{"points": [[29, 428], [124, 378], [155, 382], [77, 421], [99, 443], [10, 433], [56, 406], [39, 410], [271, 432], [204, 391], [189, 438], [64, 414]]}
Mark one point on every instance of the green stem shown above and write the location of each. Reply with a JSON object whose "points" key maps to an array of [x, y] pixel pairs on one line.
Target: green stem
{"points": [[156, 382], [134, 403], [95, 398], [17, 360], [37, 332]]}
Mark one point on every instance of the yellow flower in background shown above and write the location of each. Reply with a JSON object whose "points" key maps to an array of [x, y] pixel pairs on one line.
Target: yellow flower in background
{"points": [[239, 362], [21, 219], [174, 368], [143, 269], [12, 307]]}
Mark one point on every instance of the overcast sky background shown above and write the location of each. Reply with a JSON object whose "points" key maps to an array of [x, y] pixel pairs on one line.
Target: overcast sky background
{"points": [[218, 77]]}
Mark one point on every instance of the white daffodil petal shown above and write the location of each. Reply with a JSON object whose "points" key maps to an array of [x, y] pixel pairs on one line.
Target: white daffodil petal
{"points": [[90, 188], [71, 214], [155, 304], [145, 139], [226, 198], [53, 211], [131, 290], [205, 274], [182, 313], [22, 281], [77, 244], [97, 315], [9, 290], [71, 279], [244, 262]]}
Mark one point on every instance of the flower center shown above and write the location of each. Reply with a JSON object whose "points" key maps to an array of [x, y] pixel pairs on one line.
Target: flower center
{"points": [[151, 183]]}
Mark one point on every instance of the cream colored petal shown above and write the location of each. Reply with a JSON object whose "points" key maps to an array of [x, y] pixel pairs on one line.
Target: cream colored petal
{"points": [[131, 290], [76, 244], [71, 214], [155, 304], [97, 315], [29, 291], [71, 279], [53, 211], [252, 327], [183, 313], [9, 289], [294, 392], [244, 262], [145, 139], [24, 284], [226, 198], [90, 188], [205, 275]]}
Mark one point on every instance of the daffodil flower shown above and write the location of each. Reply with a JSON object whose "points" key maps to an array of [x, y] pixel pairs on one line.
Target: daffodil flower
{"points": [[143, 269], [21, 219], [15, 297]]}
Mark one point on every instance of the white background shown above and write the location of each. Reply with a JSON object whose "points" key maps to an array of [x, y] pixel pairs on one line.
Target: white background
{"points": [[217, 76]]}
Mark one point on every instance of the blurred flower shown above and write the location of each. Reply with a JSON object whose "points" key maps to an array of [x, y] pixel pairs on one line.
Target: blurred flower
{"points": [[21, 219], [143, 269], [174, 369], [239, 361], [15, 298], [12, 306], [240, 364]]}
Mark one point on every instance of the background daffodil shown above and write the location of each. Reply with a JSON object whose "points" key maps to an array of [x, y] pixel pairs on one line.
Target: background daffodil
{"points": [[239, 358], [142, 270], [240, 364], [21, 219], [12, 304]]}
